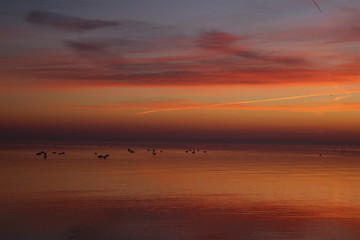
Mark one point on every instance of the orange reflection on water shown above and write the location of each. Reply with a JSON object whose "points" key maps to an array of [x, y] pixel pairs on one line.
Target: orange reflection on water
{"points": [[173, 195]]}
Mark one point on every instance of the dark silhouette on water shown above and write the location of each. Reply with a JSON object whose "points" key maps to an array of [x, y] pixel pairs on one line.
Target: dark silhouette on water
{"points": [[103, 157], [193, 151], [42, 153]]}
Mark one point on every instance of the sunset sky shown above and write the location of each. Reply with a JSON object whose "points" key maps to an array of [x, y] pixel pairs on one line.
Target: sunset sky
{"points": [[222, 71]]}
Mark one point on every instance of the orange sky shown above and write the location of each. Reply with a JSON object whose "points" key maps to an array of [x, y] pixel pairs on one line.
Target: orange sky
{"points": [[247, 72]]}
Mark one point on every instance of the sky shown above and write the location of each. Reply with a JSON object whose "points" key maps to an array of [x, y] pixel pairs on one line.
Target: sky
{"points": [[214, 71]]}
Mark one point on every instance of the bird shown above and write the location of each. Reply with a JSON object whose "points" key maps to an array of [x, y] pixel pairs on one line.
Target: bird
{"points": [[42, 153]]}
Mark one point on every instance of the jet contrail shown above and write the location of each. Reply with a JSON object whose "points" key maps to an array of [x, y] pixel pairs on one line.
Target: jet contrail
{"points": [[252, 101], [348, 95], [317, 5]]}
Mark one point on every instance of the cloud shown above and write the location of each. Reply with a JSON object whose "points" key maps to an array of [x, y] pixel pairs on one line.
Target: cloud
{"points": [[348, 30], [262, 56], [341, 28], [66, 22], [212, 70], [227, 43], [147, 54], [216, 39], [114, 46], [136, 104], [86, 46]]}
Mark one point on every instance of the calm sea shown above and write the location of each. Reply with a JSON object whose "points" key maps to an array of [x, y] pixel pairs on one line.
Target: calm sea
{"points": [[252, 194]]}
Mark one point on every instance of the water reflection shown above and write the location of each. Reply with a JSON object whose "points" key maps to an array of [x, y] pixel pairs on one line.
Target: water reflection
{"points": [[221, 195], [177, 217]]}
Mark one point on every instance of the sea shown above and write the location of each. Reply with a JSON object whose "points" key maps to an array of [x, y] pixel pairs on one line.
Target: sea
{"points": [[244, 193]]}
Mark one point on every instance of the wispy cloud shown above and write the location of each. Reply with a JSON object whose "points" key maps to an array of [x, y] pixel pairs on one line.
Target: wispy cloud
{"points": [[140, 53], [82, 46], [343, 27], [217, 39], [132, 105], [66, 22]]}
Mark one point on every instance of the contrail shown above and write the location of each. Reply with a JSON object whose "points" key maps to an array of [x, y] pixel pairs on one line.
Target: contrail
{"points": [[252, 101], [348, 95], [317, 5]]}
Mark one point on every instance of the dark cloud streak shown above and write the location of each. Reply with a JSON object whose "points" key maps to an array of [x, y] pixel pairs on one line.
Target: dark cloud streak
{"points": [[85, 46], [66, 22], [216, 39]]}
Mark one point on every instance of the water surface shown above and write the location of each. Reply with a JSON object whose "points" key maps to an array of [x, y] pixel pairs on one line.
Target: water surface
{"points": [[222, 194]]}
